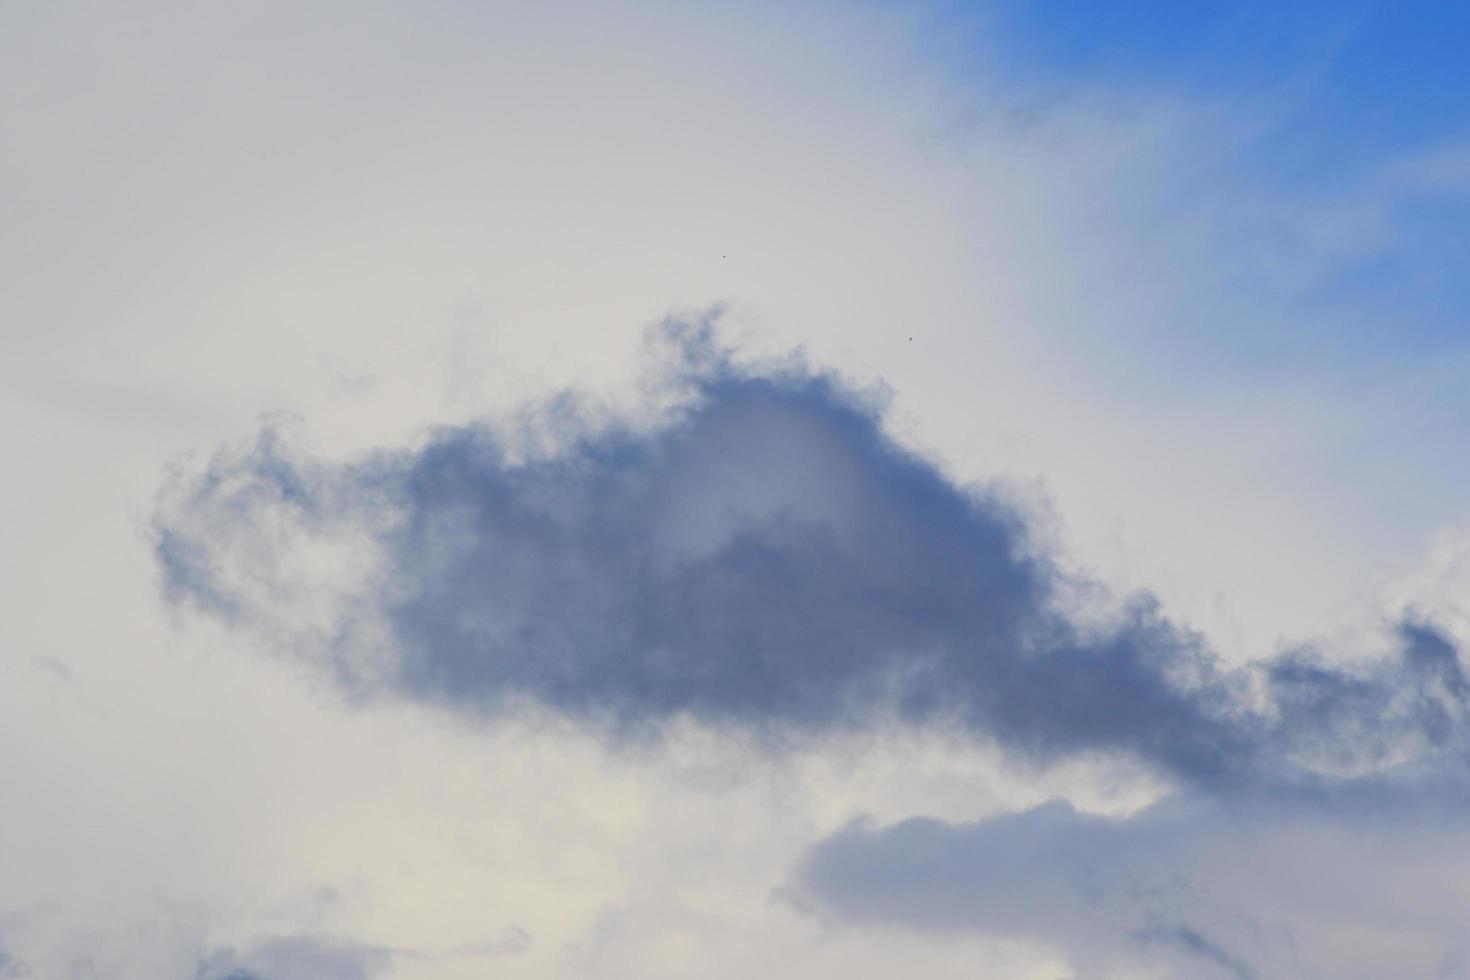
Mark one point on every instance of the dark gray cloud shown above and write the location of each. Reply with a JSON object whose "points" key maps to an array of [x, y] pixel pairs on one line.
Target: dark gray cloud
{"points": [[760, 554]]}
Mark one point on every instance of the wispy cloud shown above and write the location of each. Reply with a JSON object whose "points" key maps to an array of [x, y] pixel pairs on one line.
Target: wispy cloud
{"points": [[298, 957]]}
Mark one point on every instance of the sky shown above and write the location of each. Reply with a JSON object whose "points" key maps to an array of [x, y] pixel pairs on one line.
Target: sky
{"points": [[803, 489]]}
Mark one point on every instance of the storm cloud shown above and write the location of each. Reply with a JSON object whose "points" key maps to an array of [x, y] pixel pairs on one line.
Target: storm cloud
{"points": [[757, 553]]}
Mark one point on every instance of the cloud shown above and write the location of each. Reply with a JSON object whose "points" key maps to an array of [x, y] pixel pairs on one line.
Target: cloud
{"points": [[1190, 941], [751, 549], [311, 956], [1049, 873], [756, 553], [566, 173], [512, 941], [1201, 889], [298, 957]]}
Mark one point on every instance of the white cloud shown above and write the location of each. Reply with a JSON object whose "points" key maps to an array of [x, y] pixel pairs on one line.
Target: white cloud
{"points": [[381, 218]]}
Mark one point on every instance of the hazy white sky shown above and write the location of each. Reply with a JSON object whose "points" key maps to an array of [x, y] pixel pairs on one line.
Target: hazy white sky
{"points": [[365, 221]]}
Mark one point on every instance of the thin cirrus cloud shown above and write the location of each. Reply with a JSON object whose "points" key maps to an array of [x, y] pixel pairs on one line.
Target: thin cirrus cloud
{"points": [[760, 555]]}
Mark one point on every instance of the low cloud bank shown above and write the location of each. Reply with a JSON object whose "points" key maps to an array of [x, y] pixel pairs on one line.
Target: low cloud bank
{"points": [[1350, 887]]}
